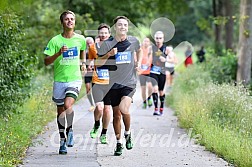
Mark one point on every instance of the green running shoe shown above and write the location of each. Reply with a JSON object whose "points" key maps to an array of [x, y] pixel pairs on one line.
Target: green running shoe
{"points": [[129, 143], [118, 149], [149, 102], [103, 139], [144, 106], [94, 132]]}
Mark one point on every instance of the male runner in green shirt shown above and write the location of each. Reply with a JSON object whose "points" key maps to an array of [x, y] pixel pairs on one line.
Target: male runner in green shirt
{"points": [[65, 51]]}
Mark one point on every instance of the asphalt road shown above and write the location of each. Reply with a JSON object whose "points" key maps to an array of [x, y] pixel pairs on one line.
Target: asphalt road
{"points": [[158, 141]]}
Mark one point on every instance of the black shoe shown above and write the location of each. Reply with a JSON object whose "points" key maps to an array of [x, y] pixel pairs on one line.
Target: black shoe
{"points": [[118, 149]]}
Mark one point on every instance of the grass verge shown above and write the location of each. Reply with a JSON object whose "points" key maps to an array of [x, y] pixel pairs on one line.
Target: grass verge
{"points": [[18, 130], [220, 114]]}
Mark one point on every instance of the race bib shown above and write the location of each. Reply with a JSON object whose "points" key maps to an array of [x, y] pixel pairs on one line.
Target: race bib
{"points": [[123, 57], [103, 73], [71, 53], [155, 70], [144, 67]]}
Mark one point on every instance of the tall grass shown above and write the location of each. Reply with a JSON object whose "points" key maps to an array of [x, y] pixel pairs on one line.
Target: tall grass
{"points": [[17, 130], [221, 114]]}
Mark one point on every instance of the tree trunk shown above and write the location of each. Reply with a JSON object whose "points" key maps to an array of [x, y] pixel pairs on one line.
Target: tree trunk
{"points": [[245, 43], [229, 26], [217, 8]]}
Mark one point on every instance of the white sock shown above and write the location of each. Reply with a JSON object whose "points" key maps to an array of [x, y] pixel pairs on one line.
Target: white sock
{"points": [[119, 141], [126, 133]]}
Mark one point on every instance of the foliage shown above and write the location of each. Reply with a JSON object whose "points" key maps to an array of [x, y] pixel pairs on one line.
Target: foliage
{"points": [[194, 25], [18, 130], [16, 67], [136, 11], [220, 114], [222, 68], [13, 4], [42, 23]]}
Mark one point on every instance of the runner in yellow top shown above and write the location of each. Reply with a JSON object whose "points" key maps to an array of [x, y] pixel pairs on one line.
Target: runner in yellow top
{"points": [[100, 88]]}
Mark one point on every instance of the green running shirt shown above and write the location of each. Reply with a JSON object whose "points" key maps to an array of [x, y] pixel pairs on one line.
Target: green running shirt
{"points": [[67, 65]]}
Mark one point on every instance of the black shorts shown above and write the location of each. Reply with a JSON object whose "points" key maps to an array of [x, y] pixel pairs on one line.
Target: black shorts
{"points": [[143, 79], [100, 93], [170, 69], [117, 94], [159, 79], [88, 77]]}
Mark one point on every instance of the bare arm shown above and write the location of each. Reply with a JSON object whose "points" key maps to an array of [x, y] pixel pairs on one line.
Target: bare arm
{"points": [[150, 55], [83, 60], [100, 61], [171, 59], [50, 59], [139, 55], [82, 56]]}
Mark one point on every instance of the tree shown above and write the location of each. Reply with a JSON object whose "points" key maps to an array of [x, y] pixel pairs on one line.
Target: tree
{"points": [[245, 43], [217, 14], [229, 26]]}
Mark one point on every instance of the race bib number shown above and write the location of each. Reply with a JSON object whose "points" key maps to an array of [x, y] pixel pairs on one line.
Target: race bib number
{"points": [[155, 70], [103, 73], [71, 53], [123, 57], [144, 67]]}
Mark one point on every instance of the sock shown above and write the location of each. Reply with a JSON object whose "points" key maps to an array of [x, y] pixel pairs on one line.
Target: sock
{"points": [[119, 141], [149, 97], [61, 127], [155, 99], [97, 124], [126, 133], [104, 131], [162, 99], [144, 101], [69, 118]]}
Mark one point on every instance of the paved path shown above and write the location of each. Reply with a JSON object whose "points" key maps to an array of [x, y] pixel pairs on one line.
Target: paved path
{"points": [[158, 142]]}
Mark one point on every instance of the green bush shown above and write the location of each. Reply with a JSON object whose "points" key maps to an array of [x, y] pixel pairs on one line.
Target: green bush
{"points": [[222, 67], [18, 130], [16, 66]]}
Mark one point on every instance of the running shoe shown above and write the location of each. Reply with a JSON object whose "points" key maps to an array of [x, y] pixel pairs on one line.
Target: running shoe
{"points": [[103, 139], [161, 111], [149, 102], [70, 140], [94, 132], [156, 112], [144, 106], [91, 109], [129, 143], [62, 149], [118, 149]]}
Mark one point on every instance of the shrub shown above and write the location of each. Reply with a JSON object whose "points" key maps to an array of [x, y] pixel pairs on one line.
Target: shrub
{"points": [[223, 67], [16, 66], [18, 130]]}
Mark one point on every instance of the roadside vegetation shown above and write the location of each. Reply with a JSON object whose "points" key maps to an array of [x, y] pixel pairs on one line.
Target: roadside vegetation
{"points": [[206, 100], [18, 129]]}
